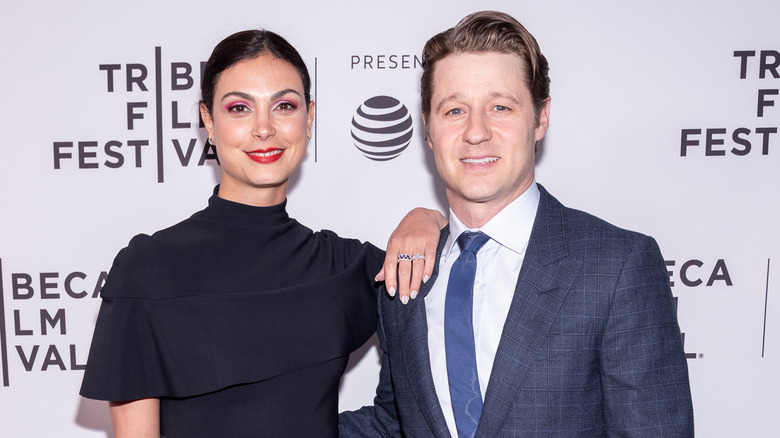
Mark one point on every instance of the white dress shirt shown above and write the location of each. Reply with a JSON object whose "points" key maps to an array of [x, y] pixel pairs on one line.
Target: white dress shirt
{"points": [[498, 266]]}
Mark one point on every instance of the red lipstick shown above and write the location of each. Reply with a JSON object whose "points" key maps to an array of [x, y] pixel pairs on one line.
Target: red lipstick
{"points": [[265, 156]]}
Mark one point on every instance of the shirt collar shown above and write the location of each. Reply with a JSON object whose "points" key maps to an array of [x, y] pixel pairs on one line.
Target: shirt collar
{"points": [[511, 227]]}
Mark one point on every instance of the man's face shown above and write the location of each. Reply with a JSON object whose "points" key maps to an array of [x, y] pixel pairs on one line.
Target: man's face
{"points": [[482, 130]]}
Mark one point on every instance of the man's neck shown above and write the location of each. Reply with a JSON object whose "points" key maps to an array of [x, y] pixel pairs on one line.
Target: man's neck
{"points": [[476, 214]]}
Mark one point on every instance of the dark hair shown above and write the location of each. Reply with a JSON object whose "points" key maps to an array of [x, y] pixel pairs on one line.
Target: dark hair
{"points": [[487, 31], [247, 45]]}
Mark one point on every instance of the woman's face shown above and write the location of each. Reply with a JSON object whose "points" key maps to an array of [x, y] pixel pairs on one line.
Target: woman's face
{"points": [[260, 124]]}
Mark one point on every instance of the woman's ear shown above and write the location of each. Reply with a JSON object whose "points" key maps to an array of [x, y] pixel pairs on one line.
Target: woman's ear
{"points": [[207, 121], [309, 119]]}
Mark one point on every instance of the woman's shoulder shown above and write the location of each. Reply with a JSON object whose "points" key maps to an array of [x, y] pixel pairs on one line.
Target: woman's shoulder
{"points": [[349, 247], [144, 259], [348, 251], [145, 245]]}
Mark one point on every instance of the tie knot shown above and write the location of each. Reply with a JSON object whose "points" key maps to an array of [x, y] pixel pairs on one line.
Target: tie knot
{"points": [[472, 242]]}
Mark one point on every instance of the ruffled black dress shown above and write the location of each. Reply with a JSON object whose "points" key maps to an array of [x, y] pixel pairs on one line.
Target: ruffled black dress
{"points": [[239, 319]]}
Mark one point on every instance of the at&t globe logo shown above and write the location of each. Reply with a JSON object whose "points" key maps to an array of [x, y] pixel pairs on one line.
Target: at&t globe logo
{"points": [[382, 128]]}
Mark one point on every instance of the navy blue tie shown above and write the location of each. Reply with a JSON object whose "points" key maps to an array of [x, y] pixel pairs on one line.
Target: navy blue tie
{"points": [[459, 336]]}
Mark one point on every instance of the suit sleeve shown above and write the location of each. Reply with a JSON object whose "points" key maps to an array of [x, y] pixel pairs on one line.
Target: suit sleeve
{"points": [[381, 419], [644, 369]]}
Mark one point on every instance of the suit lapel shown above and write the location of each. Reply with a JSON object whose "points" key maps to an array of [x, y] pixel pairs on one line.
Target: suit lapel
{"points": [[545, 278], [413, 331]]}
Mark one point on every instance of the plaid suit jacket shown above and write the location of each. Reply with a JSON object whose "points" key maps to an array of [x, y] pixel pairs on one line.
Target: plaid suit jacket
{"points": [[590, 348]]}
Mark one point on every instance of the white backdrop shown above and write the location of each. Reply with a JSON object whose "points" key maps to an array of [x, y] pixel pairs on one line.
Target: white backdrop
{"points": [[651, 118]]}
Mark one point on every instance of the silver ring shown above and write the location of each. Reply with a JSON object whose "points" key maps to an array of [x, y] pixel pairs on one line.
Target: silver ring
{"points": [[418, 256], [404, 257]]}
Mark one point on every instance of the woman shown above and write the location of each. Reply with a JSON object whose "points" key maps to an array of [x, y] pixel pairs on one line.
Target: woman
{"points": [[239, 321]]}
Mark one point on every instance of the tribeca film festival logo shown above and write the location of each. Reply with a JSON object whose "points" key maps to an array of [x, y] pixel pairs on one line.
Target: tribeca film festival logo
{"points": [[382, 128], [36, 314], [140, 150], [741, 141], [696, 273]]}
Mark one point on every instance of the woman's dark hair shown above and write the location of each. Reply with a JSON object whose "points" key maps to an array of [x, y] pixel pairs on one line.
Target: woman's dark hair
{"points": [[247, 45]]}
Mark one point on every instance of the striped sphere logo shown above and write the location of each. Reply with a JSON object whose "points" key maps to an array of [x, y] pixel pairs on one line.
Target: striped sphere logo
{"points": [[382, 128]]}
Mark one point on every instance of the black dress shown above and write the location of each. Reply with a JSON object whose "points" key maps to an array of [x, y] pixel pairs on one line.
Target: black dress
{"points": [[239, 319]]}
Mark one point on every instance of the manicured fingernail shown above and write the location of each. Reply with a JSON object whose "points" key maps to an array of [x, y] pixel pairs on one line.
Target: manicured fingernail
{"points": [[404, 299], [376, 279], [414, 294], [425, 279], [391, 291]]}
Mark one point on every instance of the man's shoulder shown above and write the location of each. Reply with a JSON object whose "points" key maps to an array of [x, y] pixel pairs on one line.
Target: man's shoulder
{"points": [[585, 231]]}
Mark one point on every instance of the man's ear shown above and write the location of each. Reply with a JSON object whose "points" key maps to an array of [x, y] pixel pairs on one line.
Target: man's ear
{"points": [[427, 131], [544, 120]]}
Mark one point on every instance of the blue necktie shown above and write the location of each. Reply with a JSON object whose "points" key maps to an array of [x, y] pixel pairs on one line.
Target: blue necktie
{"points": [[459, 336]]}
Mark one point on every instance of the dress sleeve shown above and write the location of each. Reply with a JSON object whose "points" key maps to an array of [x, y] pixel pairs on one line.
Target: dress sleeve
{"points": [[364, 313], [123, 333], [150, 344]]}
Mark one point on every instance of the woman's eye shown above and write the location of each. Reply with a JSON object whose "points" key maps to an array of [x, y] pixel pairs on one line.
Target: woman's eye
{"points": [[238, 108], [286, 106]]}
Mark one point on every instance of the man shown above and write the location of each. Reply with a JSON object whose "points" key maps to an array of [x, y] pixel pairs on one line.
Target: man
{"points": [[574, 328]]}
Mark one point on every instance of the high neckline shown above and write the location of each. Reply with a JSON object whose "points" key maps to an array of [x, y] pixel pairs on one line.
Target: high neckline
{"points": [[235, 213]]}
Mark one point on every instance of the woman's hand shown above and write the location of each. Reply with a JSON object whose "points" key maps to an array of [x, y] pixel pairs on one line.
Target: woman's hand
{"points": [[411, 252]]}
